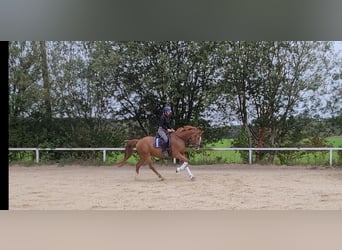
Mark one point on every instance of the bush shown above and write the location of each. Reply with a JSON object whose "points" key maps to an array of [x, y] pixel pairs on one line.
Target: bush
{"points": [[241, 141]]}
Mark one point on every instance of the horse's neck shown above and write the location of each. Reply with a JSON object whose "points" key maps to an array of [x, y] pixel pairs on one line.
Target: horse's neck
{"points": [[184, 135]]}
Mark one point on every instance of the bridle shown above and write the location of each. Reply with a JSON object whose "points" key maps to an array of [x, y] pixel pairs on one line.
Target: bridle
{"points": [[196, 145]]}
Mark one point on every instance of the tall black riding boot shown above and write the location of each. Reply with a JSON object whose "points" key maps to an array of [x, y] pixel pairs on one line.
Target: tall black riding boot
{"points": [[164, 150]]}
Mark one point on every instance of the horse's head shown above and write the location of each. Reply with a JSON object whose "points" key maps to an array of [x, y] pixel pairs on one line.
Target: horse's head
{"points": [[191, 134], [195, 139]]}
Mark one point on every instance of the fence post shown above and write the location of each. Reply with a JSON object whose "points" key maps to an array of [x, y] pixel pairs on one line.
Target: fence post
{"points": [[330, 157], [37, 155], [104, 155], [250, 155]]}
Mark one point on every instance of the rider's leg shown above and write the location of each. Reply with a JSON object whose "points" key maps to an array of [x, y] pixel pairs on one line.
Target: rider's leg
{"points": [[165, 138], [164, 149]]}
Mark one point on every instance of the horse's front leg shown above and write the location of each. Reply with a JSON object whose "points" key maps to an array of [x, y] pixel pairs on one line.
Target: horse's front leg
{"points": [[186, 167], [182, 167]]}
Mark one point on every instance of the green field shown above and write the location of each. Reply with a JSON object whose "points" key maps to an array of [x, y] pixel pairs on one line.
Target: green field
{"points": [[336, 141], [285, 157]]}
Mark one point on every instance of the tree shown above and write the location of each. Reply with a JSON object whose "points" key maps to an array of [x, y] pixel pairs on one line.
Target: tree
{"points": [[93, 90], [267, 83], [25, 94], [145, 76]]}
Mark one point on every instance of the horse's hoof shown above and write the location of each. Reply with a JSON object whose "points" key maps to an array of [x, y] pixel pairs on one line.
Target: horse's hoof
{"points": [[192, 178], [161, 179], [177, 170]]}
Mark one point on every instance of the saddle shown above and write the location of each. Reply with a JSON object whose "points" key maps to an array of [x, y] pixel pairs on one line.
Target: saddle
{"points": [[158, 142]]}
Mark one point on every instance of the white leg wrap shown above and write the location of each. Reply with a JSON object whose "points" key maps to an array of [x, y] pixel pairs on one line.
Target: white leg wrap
{"points": [[189, 172], [182, 167]]}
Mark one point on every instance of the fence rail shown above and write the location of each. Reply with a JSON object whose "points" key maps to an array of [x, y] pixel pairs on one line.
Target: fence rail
{"points": [[250, 150]]}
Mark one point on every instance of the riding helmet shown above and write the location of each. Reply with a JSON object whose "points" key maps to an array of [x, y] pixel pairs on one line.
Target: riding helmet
{"points": [[167, 108]]}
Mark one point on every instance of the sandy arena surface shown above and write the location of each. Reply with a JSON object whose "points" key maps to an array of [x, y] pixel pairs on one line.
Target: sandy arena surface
{"points": [[217, 187]]}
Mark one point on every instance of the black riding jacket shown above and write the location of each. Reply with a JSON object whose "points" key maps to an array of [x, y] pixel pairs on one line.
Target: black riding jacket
{"points": [[165, 122]]}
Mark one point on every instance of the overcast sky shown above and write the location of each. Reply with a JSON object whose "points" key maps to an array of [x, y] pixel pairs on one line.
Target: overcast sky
{"points": [[338, 47]]}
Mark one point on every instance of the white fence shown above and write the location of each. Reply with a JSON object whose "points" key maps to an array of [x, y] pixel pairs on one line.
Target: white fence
{"points": [[250, 150]]}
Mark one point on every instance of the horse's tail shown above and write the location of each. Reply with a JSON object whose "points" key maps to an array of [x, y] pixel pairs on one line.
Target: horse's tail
{"points": [[130, 144]]}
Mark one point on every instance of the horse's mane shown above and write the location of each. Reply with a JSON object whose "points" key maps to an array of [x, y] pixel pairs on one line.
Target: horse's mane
{"points": [[185, 128]]}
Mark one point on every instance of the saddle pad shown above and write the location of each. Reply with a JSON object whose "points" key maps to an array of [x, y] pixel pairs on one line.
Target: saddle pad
{"points": [[157, 142]]}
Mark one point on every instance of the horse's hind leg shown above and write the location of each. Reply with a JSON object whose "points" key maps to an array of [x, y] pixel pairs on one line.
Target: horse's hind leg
{"points": [[139, 164], [150, 164]]}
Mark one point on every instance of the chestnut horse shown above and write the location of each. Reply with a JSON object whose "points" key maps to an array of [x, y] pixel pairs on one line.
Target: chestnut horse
{"points": [[178, 139]]}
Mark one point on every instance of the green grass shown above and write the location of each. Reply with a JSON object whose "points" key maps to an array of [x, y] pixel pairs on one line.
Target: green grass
{"points": [[292, 157], [336, 141], [224, 143], [212, 156]]}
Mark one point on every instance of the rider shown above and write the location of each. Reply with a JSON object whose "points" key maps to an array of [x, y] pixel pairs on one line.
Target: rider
{"points": [[165, 128]]}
